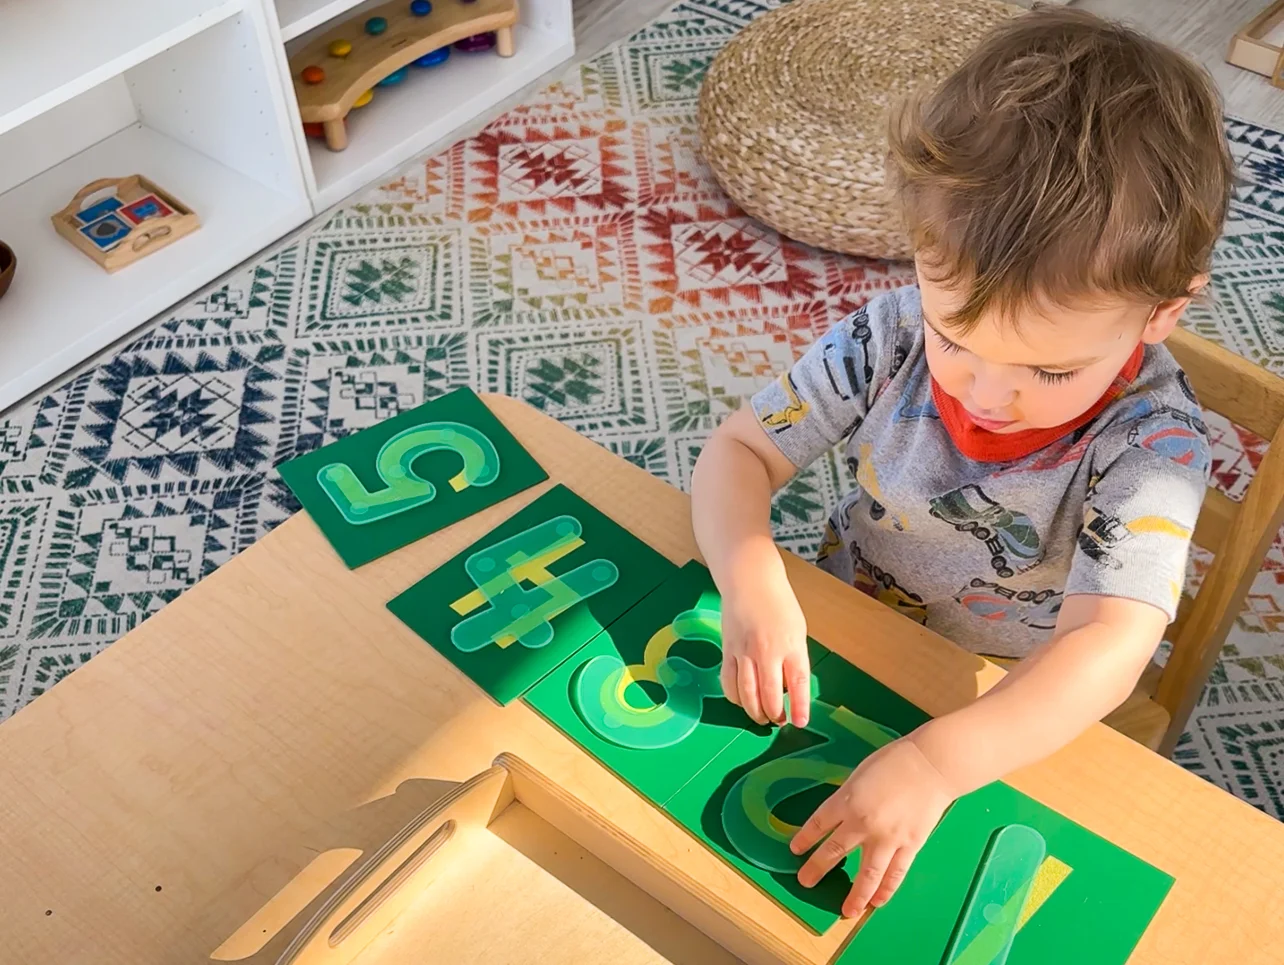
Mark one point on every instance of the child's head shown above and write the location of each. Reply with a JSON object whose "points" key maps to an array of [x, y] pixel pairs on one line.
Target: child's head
{"points": [[1063, 189]]}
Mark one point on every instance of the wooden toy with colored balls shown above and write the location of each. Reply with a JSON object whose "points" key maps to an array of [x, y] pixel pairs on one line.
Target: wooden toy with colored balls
{"points": [[337, 70]]}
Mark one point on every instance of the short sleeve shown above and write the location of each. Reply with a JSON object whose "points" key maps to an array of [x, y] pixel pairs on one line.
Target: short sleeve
{"points": [[824, 397], [1149, 480]]}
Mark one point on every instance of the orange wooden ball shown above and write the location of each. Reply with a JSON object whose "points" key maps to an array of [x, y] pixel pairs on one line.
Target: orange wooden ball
{"points": [[312, 74]]}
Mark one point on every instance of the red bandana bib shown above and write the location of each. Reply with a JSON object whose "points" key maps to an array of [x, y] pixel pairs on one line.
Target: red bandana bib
{"points": [[981, 445]]}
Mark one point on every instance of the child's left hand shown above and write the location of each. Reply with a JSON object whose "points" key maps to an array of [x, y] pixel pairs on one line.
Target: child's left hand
{"points": [[887, 807]]}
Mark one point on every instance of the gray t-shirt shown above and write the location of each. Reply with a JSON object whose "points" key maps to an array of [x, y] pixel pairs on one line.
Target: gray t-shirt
{"points": [[984, 552]]}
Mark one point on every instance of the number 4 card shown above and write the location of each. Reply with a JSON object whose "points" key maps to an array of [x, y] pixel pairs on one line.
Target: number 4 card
{"points": [[377, 490], [531, 593]]}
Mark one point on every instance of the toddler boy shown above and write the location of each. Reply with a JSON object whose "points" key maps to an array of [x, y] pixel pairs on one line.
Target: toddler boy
{"points": [[1029, 460]]}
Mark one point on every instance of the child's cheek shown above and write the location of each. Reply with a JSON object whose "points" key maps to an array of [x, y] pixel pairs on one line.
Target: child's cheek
{"points": [[950, 371]]}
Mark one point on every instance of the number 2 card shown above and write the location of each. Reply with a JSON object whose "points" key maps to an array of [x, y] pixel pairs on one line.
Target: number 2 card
{"points": [[376, 490]]}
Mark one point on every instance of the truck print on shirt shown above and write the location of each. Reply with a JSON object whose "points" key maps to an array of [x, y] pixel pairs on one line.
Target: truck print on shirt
{"points": [[1010, 536]]}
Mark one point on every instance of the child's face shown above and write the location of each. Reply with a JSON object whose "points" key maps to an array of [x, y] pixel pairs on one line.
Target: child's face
{"points": [[1043, 372]]}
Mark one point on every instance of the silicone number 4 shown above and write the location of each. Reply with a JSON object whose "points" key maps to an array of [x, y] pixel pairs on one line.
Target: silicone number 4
{"points": [[404, 488], [517, 613]]}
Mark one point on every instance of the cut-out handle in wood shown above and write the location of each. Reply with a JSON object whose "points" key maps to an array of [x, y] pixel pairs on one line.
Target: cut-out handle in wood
{"points": [[356, 907]]}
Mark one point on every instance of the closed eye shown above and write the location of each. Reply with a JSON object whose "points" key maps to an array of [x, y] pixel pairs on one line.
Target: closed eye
{"points": [[1043, 375], [947, 346], [1055, 378]]}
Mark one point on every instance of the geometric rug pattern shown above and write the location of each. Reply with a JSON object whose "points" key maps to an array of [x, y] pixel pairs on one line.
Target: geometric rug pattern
{"points": [[576, 254]]}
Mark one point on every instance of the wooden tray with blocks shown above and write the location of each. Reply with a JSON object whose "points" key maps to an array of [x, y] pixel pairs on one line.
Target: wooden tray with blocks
{"points": [[116, 221]]}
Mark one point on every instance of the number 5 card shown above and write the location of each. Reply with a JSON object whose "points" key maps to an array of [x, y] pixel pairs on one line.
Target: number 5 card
{"points": [[377, 490]]}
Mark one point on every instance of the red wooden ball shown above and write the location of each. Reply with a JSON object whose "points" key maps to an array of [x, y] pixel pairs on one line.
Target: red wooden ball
{"points": [[312, 74]]}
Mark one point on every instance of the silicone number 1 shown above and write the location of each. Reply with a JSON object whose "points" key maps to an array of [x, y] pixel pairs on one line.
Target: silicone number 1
{"points": [[753, 830], [993, 911], [406, 489]]}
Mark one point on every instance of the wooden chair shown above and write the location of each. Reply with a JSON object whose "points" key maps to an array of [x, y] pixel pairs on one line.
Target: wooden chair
{"points": [[1237, 533]]}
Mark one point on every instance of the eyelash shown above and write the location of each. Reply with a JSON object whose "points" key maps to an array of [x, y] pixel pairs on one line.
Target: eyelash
{"points": [[1044, 376]]}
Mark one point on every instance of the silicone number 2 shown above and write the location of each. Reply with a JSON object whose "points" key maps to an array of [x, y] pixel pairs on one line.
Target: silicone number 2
{"points": [[405, 489], [751, 827]]}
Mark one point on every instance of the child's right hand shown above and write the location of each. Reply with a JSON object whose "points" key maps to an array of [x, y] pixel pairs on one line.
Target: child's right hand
{"points": [[764, 652]]}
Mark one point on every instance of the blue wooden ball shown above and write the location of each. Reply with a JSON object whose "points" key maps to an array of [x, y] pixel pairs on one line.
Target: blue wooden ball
{"points": [[396, 77], [433, 57], [420, 8]]}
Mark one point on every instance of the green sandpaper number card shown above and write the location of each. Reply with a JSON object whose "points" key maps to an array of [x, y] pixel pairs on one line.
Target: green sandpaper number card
{"points": [[750, 800], [378, 489], [1004, 880], [645, 697], [532, 592]]}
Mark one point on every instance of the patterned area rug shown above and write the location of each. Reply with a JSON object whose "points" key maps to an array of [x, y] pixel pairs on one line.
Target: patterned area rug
{"points": [[575, 254]]}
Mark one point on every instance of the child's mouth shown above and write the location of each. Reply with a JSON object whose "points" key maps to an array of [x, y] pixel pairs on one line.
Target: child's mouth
{"points": [[989, 425]]}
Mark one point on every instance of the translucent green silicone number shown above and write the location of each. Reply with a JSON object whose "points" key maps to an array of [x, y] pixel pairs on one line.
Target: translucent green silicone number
{"points": [[747, 818], [993, 911], [604, 695], [404, 488], [521, 614]]}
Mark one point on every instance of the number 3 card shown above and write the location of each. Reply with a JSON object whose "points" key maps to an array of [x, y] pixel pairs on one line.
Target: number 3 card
{"points": [[377, 490]]}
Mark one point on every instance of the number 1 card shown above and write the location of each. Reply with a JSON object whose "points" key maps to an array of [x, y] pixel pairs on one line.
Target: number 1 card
{"points": [[377, 490]]}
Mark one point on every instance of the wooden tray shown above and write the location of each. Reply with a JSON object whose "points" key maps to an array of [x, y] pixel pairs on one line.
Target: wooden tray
{"points": [[143, 218], [493, 869]]}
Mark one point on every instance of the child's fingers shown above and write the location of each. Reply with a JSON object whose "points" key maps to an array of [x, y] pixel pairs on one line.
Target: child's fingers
{"points": [[823, 820], [829, 853], [771, 691], [747, 682], [896, 872], [728, 674], [798, 680], [874, 863]]}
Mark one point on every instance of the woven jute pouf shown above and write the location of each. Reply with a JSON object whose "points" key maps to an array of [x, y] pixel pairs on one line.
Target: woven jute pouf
{"points": [[794, 110]]}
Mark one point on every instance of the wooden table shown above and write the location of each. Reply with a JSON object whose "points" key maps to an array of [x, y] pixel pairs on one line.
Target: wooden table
{"points": [[142, 800]]}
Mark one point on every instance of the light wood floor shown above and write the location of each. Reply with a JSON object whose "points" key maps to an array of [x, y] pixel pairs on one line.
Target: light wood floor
{"points": [[1203, 29]]}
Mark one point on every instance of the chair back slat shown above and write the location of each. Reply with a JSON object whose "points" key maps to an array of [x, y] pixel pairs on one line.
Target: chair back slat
{"points": [[1237, 533], [1229, 384]]}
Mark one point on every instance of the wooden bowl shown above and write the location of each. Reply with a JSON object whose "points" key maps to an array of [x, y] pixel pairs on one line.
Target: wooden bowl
{"points": [[8, 263]]}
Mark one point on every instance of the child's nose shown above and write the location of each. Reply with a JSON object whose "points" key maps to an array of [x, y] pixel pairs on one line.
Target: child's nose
{"points": [[991, 391]]}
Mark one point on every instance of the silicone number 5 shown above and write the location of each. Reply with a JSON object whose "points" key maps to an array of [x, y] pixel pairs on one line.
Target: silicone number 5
{"points": [[405, 489]]}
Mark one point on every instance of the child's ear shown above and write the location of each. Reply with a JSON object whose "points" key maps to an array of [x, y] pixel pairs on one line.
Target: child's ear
{"points": [[1168, 313]]}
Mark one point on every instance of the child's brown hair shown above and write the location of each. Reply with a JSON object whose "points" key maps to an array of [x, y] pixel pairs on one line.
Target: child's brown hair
{"points": [[1067, 157]]}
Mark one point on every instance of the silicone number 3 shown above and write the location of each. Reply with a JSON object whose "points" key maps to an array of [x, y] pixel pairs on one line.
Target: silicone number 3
{"points": [[603, 695], [405, 489], [747, 818]]}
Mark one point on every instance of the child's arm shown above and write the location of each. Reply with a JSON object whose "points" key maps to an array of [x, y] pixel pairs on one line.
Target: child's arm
{"points": [[764, 633], [788, 424], [895, 798], [1148, 477]]}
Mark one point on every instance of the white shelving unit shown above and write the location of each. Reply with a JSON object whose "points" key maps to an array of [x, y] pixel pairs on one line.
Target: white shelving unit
{"points": [[195, 95], [429, 104], [186, 92], [56, 49]]}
